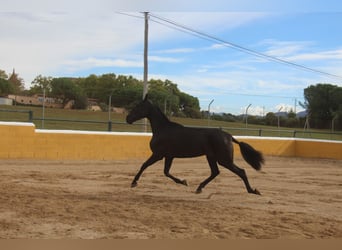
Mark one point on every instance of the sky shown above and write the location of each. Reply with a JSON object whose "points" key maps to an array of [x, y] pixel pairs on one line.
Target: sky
{"points": [[79, 38]]}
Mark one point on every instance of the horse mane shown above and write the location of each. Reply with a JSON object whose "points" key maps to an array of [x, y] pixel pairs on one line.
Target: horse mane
{"points": [[164, 116], [160, 112]]}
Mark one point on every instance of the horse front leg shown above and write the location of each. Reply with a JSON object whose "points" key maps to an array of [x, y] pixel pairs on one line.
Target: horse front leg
{"points": [[167, 166], [153, 158]]}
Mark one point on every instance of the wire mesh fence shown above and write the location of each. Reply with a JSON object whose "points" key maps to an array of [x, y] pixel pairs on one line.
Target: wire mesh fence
{"points": [[120, 126]]}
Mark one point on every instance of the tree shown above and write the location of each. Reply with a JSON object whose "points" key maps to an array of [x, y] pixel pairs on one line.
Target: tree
{"points": [[170, 99], [3, 75], [105, 86], [162, 95], [67, 90], [40, 83], [127, 96], [323, 103], [125, 91], [5, 87], [291, 120], [189, 105], [16, 82], [81, 100], [271, 119], [88, 85]]}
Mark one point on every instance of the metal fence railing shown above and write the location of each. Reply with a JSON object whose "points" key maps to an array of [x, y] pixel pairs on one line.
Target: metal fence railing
{"points": [[96, 125]]}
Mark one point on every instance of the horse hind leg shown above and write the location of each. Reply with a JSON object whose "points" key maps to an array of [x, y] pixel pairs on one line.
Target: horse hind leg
{"points": [[242, 174], [167, 166], [214, 172]]}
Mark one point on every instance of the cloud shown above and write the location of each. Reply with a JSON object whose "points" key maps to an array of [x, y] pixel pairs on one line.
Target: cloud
{"points": [[300, 52], [174, 51], [74, 65], [164, 59], [323, 55], [215, 22], [253, 110], [63, 38], [45, 39], [91, 62], [24, 16], [175, 5], [284, 107], [262, 110], [36, 43], [278, 48]]}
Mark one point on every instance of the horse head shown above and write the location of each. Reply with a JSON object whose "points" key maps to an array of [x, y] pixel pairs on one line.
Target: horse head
{"points": [[141, 110]]}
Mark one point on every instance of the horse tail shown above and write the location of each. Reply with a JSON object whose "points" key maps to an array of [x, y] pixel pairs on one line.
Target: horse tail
{"points": [[251, 156]]}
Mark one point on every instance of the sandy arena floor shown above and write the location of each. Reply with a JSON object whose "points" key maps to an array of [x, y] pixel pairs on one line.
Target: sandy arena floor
{"points": [[301, 198]]}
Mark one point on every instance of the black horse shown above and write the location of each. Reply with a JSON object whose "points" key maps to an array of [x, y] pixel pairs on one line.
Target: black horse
{"points": [[171, 140]]}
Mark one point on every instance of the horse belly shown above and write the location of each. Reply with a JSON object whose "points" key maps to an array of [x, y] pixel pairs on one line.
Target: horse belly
{"points": [[185, 149]]}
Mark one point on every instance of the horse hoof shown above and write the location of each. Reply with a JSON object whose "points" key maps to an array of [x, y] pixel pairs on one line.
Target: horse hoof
{"points": [[134, 184], [184, 182], [256, 191], [198, 191]]}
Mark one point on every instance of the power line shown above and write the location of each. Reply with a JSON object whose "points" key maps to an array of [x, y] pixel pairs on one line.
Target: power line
{"points": [[129, 14], [252, 95], [180, 27]]}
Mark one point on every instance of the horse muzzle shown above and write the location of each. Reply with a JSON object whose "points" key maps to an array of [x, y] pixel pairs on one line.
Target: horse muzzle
{"points": [[129, 119]]}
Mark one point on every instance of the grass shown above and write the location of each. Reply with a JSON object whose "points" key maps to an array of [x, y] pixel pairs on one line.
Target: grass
{"points": [[98, 121]]}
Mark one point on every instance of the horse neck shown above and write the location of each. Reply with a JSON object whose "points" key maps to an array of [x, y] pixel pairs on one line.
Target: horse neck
{"points": [[157, 119]]}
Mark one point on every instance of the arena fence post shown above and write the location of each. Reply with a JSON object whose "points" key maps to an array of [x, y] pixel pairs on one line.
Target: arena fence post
{"points": [[30, 113], [109, 126]]}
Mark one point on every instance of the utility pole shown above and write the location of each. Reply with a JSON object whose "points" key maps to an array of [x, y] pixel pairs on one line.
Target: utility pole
{"points": [[209, 111], [279, 116], [109, 111], [145, 89], [43, 108], [247, 114]]}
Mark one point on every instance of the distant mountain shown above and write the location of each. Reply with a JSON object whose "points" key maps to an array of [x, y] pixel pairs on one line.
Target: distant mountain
{"points": [[302, 114], [281, 114]]}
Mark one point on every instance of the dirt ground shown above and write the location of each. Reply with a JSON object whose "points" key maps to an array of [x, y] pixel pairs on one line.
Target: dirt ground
{"points": [[301, 198]]}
